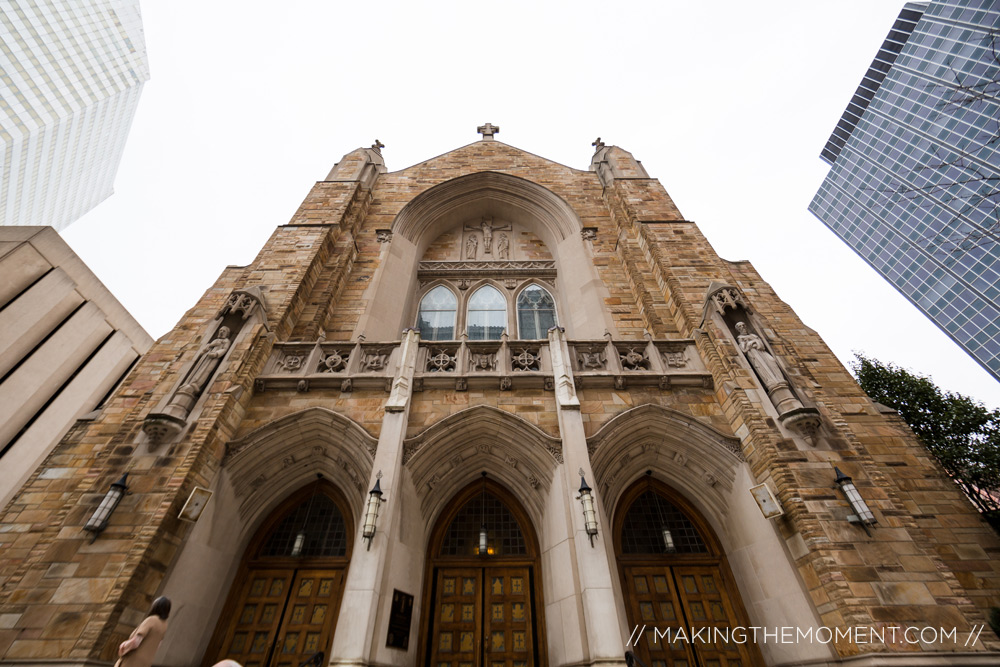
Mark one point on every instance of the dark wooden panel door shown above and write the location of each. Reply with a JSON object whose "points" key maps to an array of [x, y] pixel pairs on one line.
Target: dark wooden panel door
{"points": [[254, 627], [706, 604], [654, 603], [507, 609], [456, 638], [309, 618]]}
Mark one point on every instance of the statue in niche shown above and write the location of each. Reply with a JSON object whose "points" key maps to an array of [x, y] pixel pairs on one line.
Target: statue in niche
{"points": [[160, 426], [471, 244], [503, 247], [206, 363], [758, 356]]}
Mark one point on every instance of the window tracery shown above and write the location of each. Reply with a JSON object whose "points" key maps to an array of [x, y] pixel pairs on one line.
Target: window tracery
{"points": [[436, 320], [487, 314]]}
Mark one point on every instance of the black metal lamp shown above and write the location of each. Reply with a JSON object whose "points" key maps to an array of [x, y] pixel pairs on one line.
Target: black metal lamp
{"points": [[484, 536], [586, 499], [375, 500], [99, 519], [862, 514], [300, 537]]}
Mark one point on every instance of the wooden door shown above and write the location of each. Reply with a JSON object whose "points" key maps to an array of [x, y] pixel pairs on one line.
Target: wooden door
{"points": [[482, 617], [310, 613], [282, 607], [507, 606], [458, 618], [283, 617], [483, 602], [702, 594], [682, 603], [654, 603], [255, 625]]}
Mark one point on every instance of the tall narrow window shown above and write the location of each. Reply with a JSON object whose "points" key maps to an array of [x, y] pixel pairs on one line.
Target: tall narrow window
{"points": [[487, 314], [536, 313], [437, 314]]}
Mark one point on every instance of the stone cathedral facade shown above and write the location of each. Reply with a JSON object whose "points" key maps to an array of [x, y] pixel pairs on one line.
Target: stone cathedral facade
{"points": [[580, 428]]}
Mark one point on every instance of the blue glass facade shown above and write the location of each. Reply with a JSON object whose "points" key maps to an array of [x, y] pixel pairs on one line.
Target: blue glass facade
{"points": [[914, 183]]}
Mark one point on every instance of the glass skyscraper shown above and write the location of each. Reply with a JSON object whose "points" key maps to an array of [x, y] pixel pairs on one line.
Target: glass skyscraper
{"points": [[71, 75], [914, 183]]}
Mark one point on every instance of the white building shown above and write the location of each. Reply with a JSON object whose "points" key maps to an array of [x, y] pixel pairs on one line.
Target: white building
{"points": [[72, 73], [65, 343]]}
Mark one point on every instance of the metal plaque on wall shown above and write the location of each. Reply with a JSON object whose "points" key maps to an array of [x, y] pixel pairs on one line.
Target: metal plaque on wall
{"points": [[398, 635]]}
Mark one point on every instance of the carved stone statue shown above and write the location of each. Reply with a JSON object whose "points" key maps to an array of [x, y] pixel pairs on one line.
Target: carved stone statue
{"points": [[206, 363], [471, 244], [758, 356], [487, 226], [162, 425], [503, 247]]}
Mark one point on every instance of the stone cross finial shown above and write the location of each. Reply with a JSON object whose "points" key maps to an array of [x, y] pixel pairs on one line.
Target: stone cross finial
{"points": [[488, 130], [378, 146], [598, 144]]}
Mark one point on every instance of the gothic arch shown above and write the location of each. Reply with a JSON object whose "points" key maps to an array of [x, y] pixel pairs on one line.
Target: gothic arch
{"points": [[279, 457], [447, 204], [452, 453], [696, 459]]}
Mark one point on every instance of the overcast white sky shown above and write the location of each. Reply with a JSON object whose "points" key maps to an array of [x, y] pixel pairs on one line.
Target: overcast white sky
{"points": [[728, 104]]}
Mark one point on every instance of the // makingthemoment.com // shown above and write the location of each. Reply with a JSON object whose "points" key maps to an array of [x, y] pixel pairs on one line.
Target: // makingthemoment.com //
{"points": [[891, 634]]}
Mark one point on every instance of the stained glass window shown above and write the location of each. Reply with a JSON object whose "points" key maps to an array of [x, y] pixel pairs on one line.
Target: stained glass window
{"points": [[654, 525], [504, 536], [487, 314], [437, 314], [536, 313], [321, 525]]}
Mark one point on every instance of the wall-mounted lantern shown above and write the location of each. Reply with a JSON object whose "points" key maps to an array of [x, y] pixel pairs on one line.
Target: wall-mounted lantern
{"points": [[99, 519], [586, 498], [375, 500], [862, 514]]}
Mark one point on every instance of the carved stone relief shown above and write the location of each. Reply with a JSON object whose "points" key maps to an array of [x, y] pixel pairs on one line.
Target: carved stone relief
{"points": [[482, 362], [526, 360], [334, 362], [634, 358]]}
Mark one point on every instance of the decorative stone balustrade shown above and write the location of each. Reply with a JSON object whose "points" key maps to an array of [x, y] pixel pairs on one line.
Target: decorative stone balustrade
{"points": [[503, 364]]}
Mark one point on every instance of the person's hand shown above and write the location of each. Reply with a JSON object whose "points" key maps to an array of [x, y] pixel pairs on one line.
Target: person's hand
{"points": [[129, 645]]}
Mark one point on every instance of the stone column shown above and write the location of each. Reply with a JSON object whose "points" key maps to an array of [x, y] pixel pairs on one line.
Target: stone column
{"points": [[602, 642], [354, 636]]}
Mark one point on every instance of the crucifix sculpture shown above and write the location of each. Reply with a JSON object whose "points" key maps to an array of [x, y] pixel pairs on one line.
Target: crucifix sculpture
{"points": [[488, 130]]}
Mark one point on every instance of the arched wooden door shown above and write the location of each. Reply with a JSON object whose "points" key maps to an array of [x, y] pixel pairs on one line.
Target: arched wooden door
{"points": [[675, 578], [483, 607], [283, 605]]}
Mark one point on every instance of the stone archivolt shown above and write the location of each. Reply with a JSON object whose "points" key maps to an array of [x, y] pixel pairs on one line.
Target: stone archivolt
{"points": [[680, 449], [274, 460], [453, 452]]}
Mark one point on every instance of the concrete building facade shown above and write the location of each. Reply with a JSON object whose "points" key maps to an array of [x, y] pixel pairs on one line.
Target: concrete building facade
{"points": [[493, 410], [65, 342], [915, 166], [72, 73]]}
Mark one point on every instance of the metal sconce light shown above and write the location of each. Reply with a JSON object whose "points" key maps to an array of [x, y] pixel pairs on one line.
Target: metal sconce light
{"points": [[668, 537], [371, 512], [99, 519], [862, 514], [484, 536], [668, 541], [586, 498], [300, 537]]}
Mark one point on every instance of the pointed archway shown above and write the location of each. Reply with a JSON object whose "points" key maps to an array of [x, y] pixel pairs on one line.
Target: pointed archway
{"points": [[283, 605], [677, 582], [482, 593]]}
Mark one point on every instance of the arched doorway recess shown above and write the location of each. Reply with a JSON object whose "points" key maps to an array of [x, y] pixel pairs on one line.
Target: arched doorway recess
{"points": [[282, 607], [483, 598], [675, 577]]}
